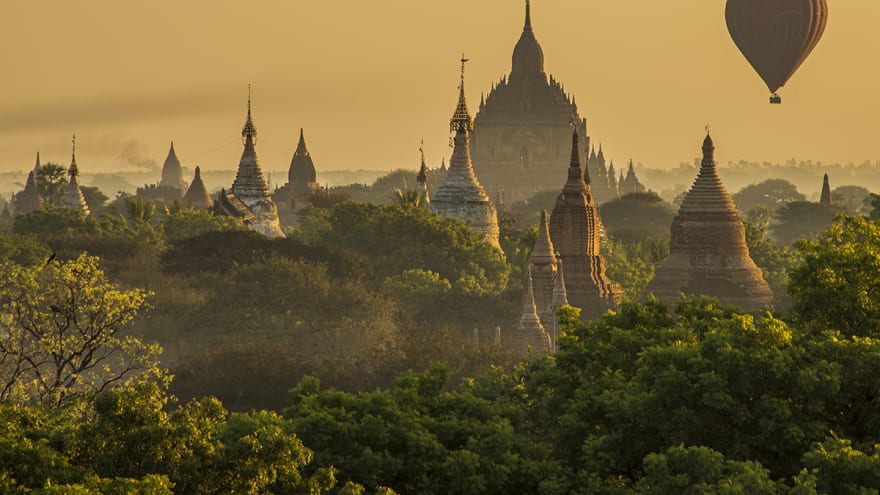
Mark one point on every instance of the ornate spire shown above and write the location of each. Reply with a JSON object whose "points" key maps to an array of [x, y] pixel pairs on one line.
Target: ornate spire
{"points": [[73, 197], [825, 198], [249, 182], [422, 176], [249, 131], [73, 171], [461, 119]]}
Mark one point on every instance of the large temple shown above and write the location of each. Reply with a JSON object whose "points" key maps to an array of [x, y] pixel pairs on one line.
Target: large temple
{"points": [[574, 232], [522, 128], [708, 254], [249, 197], [461, 195]]}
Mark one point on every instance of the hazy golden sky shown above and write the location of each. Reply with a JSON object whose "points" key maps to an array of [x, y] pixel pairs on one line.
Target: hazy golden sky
{"points": [[369, 79]]}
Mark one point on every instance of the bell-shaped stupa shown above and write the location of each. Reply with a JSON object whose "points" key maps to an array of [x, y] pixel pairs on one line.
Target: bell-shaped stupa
{"points": [[708, 254]]}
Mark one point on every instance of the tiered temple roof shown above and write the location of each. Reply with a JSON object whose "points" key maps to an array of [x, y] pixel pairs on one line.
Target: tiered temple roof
{"points": [[461, 195], [574, 230], [197, 195], [708, 254]]}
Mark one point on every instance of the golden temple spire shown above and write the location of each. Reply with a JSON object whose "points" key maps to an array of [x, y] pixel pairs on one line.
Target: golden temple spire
{"points": [[461, 119]]}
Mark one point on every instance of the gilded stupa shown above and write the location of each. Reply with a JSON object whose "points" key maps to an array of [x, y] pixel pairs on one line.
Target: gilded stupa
{"points": [[251, 189], [461, 195], [73, 197]]}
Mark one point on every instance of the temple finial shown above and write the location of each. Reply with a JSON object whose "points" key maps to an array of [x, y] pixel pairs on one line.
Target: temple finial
{"points": [[249, 130], [528, 25], [461, 119]]}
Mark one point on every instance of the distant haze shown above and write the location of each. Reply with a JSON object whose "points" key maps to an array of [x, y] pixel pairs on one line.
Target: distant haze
{"points": [[369, 80]]}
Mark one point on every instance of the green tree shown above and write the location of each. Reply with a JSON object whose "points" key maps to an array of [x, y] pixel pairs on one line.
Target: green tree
{"points": [[189, 222], [802, 220], [61, 324], [854, 200], [416, 438], [51, 181], [636, 217], [837, 286], [771, 193]]}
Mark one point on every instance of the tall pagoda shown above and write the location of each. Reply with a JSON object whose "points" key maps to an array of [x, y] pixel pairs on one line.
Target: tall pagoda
{"points": [[708, 254], [574, 231], [461, 195], [73, 197], [251, 189]]}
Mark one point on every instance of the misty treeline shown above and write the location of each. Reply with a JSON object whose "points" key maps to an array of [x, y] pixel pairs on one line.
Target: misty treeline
{"points": [[331, 336]]}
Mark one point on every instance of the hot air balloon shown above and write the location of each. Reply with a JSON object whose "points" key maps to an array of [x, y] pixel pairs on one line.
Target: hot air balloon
{"points": [[776, 36]]}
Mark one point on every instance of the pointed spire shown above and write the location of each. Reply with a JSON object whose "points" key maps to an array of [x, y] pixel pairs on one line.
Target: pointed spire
{"points": [[172, 173], [528, 24], [73, 197], [249, 184], [825, 197], [560, 294], [422, 176], [302, 168], [461, 119], [530, 311], [249, 131], [542, 253], [37, 165], [73, 171], [29, 199], [575, 183]]}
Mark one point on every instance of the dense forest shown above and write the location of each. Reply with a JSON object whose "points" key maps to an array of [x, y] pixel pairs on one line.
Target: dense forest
{"points": [[151, 348]]}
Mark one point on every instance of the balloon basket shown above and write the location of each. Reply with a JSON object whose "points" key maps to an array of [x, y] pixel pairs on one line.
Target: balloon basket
{"points": [[775, 99]]}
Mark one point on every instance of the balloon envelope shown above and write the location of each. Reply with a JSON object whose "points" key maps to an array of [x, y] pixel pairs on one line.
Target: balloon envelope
{"points": [[776, 36]]}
